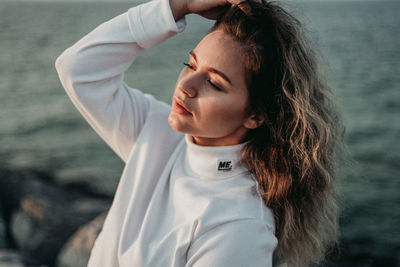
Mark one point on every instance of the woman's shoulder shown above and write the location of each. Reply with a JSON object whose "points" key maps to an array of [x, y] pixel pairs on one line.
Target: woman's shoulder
{"points": [[155, 112]]}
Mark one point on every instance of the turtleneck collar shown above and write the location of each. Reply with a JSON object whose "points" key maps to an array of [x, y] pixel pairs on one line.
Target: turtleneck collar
{"points": [[212, 162]]}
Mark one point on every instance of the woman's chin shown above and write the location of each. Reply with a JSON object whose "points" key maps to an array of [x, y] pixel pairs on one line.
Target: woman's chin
{"points": [[176, 124]]}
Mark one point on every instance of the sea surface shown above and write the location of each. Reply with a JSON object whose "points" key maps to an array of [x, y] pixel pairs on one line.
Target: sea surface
{"points": [[359, 43]]}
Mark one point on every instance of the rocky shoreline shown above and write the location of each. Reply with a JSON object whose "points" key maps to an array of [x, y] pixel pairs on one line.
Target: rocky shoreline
{"points": [[43, 224]]}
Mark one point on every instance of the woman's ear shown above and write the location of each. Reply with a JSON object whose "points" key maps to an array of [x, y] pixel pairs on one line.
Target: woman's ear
{"points": [[254, 121]]}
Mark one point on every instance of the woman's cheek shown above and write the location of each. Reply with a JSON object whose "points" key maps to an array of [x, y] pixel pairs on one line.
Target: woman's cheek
{"points": [[219, 112]]}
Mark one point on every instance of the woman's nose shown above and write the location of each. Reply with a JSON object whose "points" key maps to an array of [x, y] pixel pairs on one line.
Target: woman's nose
{"points": [[190, 85]]}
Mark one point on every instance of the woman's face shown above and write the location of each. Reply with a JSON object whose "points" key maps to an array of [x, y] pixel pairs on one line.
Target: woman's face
{"points": [[211, 97]]}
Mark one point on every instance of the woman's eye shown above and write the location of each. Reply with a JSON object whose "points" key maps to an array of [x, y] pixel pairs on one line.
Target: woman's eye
{"points": [[188, 65], [214, 85]]}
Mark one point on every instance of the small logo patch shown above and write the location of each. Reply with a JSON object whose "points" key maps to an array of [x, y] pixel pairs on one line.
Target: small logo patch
{"points": [[225, 165]]}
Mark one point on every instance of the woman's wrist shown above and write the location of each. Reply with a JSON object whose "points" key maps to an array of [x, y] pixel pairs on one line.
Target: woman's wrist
{"points": [[178, 8]]}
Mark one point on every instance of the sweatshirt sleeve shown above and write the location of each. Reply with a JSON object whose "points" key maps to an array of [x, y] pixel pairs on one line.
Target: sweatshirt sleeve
{"points": [[240, 243], [92, 72]]}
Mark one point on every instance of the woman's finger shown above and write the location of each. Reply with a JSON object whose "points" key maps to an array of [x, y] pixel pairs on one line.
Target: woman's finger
{"points": [[215, 12]]}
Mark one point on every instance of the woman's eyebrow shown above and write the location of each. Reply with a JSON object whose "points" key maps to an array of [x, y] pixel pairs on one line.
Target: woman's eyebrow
{"points": [[209, 69]]}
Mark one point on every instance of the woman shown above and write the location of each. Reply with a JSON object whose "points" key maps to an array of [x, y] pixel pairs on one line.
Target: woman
{"points": [[240, 168]]}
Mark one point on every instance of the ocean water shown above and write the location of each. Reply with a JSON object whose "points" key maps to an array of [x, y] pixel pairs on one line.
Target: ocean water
{"points": [[360, 47]]}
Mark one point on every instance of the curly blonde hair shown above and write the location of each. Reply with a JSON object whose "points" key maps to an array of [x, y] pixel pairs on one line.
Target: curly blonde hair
{"points": [[293, 154]]}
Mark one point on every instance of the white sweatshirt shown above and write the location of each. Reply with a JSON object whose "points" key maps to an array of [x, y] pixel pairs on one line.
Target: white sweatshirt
{"points": [[177, 203]]}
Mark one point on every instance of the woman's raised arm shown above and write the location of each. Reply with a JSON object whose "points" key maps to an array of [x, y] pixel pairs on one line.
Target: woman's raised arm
{"points": [[91, 72]]}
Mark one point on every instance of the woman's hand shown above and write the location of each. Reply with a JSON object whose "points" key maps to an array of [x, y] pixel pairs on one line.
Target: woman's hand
{"points": [[209, 9]]}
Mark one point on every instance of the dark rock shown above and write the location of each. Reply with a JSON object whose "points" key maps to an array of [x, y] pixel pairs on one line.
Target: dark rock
{"points": [[46, 221], [10, 258], [14, 184], [41, 216], [76, 251]]}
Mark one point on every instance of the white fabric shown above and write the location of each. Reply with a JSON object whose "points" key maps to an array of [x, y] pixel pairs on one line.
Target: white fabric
{"points": [[173, 207]]}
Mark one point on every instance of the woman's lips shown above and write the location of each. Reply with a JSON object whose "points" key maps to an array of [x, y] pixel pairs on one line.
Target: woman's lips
{"points": [[180, 107]]}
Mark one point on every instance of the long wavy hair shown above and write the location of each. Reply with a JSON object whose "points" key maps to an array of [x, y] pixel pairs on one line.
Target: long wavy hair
{"points": [[293, 153]]}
